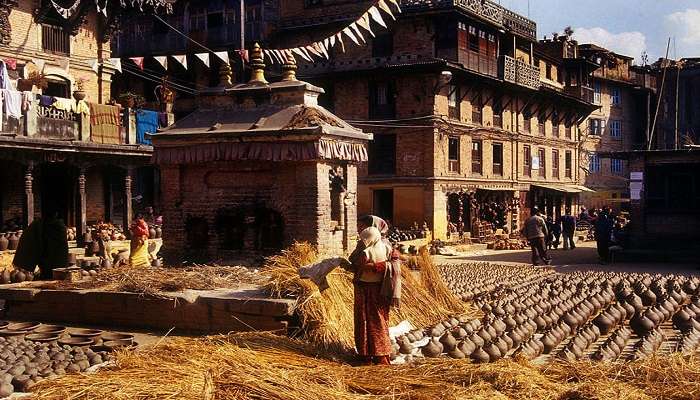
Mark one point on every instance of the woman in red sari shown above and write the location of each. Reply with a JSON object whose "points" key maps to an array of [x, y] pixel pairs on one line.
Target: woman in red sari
{"points": [[372, 304]]}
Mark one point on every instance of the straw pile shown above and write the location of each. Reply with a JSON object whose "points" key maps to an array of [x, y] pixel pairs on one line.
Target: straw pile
{"points": [[327, 318], [263, 366], [153, 281]]}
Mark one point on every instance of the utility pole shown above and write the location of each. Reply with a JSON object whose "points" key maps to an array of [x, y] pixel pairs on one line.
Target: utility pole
{"points": [[242, 44], [661, 93], [676, 142]]}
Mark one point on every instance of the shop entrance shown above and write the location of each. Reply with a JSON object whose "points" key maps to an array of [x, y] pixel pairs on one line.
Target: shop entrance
{"points": [[57, 190]]}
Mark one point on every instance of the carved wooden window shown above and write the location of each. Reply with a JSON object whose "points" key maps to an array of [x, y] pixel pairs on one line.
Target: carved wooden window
{"points": [[497, 158], [453, 154], [543, 164], [453, 106], [567, 164], [382, 155], [555, 164], [477, 157], [527, 161], [55, 39], [477, 107]]}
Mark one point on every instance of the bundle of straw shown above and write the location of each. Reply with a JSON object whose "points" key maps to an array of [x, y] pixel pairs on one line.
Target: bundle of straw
{"points": [[264, 366], [153, 281], [327, 318]]}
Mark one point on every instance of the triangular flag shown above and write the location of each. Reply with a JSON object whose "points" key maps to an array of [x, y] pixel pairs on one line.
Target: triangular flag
{"points": [[376, 15], [327, 45], [340, 40], [313, 51], [322, 47], [300, 53], [138, 61], [364, 23], [396, 4], [40, 63], [223, 56], [94, 64], [358, 32], [204, 57], [277, 56], [243, 54], [386, 9], [287, 55], [182, 59], [305, 51], [163, 61], [267, 54], [332, 40], [351, 35], [117, 62]]}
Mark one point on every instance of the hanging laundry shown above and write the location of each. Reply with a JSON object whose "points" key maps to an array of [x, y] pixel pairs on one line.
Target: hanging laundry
{"points": [[46, 101], [146, 122], [5, 82], [105, 123], [63, 104], [12, 103]]}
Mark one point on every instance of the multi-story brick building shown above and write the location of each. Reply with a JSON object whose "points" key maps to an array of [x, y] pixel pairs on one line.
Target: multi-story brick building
{"points": [[474, 119], [214, 24], [625, 97], [52, 157]]}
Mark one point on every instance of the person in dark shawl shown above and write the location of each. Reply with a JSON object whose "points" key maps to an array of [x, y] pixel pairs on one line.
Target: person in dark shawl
{"points": [[377, 288], [43, 243]]}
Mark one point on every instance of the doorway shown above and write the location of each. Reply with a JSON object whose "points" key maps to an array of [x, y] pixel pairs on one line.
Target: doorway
{"points": [[383, 204], [57, 186]]}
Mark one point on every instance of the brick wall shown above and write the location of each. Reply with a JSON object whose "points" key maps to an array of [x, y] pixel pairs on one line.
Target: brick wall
{"points": [[12, 191], [95, 195], [26, 44], [300, 192]]}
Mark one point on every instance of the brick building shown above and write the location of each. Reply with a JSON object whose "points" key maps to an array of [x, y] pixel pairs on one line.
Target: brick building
{"points": [[50, 156], [215, 24], [626, 97], [256, 167], [470, 112]]}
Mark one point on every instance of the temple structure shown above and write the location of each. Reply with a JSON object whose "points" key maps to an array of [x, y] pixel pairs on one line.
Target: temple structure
{"points": [[256, 167]]}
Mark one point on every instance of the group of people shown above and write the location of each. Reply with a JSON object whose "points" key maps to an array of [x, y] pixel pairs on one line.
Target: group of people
{"points": [[544, 233]]}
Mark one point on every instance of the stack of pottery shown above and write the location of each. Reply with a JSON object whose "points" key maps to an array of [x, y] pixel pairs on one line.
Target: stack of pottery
{"points": [[13, 240], [4, 243]]}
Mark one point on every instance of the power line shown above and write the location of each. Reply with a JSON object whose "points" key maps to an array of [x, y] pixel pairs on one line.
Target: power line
{"points": [[183, 34]]}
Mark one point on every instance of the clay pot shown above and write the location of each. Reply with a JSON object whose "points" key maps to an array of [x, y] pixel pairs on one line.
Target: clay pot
{"points": [[3, 242], [456, 354], [432, 349], [151, 232], [493, 352], [448, 341], [641, 325], [72, 259], [466, 346], [648, 298], [159, 232], [12, 241], [5, 277], [405, 347], [479, 356], [106, 263]]}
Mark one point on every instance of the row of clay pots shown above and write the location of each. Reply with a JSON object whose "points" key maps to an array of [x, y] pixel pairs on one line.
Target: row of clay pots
{"points": [[613, 346], [9, 240]]}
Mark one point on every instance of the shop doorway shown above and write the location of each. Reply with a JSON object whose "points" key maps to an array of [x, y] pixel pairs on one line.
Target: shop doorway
{"points": [[57, 190], [383, 204]]}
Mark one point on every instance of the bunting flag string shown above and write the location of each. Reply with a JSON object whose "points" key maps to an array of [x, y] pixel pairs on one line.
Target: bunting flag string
{"points": [[222, 55], [182, 59], [117, 63], [356, 31], [162, 60], [204, 57], [138, 61], [67, 13]]}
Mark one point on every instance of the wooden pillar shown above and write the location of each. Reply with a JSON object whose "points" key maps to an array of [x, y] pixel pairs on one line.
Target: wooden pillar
{"points": [[81, 221], [128, 212], [29, 194]]}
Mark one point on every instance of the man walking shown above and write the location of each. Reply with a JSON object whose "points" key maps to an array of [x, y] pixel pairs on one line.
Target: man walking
{"points": [[535, 231], [568, 225], [603, 228]]}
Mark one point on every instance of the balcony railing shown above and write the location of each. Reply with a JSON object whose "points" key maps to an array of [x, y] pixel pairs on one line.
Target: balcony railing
{"points": [[48, 122], [582, 92], [519, 24], [520, 73], [57, 124]]}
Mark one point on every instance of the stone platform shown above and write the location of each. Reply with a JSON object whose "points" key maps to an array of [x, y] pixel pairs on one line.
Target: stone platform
{"points": [[246, 308]]}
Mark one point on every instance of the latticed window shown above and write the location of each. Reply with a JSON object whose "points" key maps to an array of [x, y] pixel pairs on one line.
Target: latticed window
{"points": [[594, 163], [55, 40]]}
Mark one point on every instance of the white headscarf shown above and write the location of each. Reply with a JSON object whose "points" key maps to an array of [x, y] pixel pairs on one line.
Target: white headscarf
{"points": [[375, 249]]}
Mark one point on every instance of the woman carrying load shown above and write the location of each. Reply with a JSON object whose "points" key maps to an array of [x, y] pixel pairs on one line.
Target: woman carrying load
{"points": [[377, 285]]}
